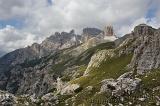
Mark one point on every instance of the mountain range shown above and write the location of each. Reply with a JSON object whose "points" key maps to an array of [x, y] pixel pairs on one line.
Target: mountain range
{"points": [[93, 68]]}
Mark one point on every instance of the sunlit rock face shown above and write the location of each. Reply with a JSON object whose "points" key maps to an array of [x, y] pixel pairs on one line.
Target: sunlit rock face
{"points": [[147, 54], [109, 34], [61, 40], [108, 31], [124, 84]]}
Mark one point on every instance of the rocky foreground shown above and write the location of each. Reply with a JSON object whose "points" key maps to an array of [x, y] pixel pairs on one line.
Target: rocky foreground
{"points": [[94, 68]]}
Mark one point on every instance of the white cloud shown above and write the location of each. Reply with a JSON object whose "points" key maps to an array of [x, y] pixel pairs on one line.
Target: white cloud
{"points": [[12, 38], [42, 19], [77, 14]]}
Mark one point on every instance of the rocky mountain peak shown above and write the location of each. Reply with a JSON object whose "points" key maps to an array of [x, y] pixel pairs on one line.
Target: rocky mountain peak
{"points": [[61, 40], [143, 29], [108, 31], [72, 31], [91, 31], [88, 33], [146, 55], [109, 34]]}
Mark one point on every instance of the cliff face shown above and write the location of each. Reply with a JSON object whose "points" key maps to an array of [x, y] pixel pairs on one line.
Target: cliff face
{"points": [[147, 53]]}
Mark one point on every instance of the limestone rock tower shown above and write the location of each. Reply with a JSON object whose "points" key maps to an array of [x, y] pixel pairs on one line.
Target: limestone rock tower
{"points": [[109, 34], [108, 31]]}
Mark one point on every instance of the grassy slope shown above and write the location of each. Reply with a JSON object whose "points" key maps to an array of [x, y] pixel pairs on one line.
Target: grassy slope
{"points": [[82, 59], [112, 68], [149, 81]]}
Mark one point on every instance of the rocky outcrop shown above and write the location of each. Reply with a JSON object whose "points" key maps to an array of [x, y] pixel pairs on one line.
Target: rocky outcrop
{"points": [[124, 84], [60, 85], [70, 89], [106, 35], [50, 100], [10, 60], [30, 81], [108, 31], [7, 99], [147, 53], [143, 30], [109, 34]]}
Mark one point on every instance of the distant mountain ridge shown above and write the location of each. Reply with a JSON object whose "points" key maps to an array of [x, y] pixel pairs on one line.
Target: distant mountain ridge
{"points": [[55, 42]]}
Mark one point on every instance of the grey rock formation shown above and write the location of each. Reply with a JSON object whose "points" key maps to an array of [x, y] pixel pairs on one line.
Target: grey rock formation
{"points": [[147, 52], [124, 84], [7, 99], [106, 35], [61, 40], [89, 33], [70, 89], [12, 64], [108, 31]]}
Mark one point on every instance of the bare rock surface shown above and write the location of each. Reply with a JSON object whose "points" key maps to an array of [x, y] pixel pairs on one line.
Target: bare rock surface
{"points": [[147, 53], [70, 89], [124, 84], [7, 99]]}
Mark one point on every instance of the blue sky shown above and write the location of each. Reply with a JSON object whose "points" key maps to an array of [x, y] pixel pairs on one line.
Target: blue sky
{"points": [[17, 23], [49, 1], [25, 22]]}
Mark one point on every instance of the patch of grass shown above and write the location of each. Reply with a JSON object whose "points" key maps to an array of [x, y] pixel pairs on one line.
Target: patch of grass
{"points": [[30, 63], [151, 79], [111, 68], [80, 71]]}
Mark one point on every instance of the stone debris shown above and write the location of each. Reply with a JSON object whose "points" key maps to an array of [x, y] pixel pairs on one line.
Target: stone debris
{"points": [[120, 86], [70, 89], [7, 99], [142, 99]]}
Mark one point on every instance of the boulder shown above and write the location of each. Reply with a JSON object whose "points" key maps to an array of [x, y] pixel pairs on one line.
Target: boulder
{"points": [[123, 84], [7, 99], [70, 89], [49, 97]]}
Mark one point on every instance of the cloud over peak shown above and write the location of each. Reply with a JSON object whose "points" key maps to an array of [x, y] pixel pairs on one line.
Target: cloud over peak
{"points": [[43, 17]]}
